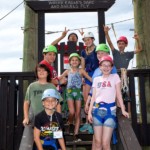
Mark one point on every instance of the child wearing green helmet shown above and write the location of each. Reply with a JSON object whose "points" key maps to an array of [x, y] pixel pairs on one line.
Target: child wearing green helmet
{"points": [[48, 125], [73, 91], [122, 58], [49, 53]]}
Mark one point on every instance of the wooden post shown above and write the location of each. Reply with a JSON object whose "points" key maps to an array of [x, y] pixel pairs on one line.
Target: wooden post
{"points": [[30, 40], [142, 21], [101, 22], [41, 34]]}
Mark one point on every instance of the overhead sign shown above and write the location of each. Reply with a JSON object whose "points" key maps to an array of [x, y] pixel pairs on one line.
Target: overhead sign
{"points": [[69, 5], [78, 4]]}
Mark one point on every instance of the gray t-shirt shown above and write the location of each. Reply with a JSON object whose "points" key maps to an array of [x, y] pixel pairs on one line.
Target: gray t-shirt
{"points": [[34, 94], [121, 60]]}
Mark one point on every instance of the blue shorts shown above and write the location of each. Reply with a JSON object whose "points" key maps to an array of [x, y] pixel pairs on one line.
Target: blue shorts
{"points": [[101, 118], [86, 80]]}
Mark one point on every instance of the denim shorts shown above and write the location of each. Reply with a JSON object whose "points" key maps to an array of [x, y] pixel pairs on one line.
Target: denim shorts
{"points": [[102, 118]]}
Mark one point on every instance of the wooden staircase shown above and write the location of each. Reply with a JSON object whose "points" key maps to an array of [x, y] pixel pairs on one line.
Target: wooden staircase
{"points": [[84, 144], [126, 137]]}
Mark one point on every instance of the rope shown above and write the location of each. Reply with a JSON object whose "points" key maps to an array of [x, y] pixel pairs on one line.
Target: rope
{"points": [[112, 26], [124, 84]]}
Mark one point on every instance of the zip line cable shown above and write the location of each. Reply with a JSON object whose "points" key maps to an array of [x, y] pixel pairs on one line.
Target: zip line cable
{"points": [[51, 32], [11, 11]]}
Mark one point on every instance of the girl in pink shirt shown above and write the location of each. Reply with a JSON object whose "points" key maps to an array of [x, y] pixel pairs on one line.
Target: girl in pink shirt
{"points": [[102, 111]]}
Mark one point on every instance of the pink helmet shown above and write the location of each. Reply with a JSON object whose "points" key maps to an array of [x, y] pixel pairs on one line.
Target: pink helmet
{"points": [[123, 38], [106, 58]]}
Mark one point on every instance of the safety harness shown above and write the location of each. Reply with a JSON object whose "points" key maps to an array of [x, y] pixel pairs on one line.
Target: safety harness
{"points": [[109, 115]]}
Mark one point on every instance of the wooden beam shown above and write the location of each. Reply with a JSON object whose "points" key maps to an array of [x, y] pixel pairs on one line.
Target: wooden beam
{"points": [[101, 22], [69, 5], [127, 135], [41, 34]]}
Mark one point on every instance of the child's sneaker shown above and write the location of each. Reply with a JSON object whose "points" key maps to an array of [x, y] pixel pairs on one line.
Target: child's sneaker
{"points": [[90, 129], [76, 138], [84, 127]]}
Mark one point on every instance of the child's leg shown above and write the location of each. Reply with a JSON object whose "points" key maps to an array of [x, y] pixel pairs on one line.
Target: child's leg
{"points": [[71, 111], [93, 143], [86, 90], [97, 138], [107, 134], [77, 115]]}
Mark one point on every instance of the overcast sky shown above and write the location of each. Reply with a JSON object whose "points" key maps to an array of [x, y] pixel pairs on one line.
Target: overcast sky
{"points": [[11, 35]]}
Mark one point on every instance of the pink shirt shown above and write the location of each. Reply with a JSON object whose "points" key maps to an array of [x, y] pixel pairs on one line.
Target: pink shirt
{"points": [[105, 88]]}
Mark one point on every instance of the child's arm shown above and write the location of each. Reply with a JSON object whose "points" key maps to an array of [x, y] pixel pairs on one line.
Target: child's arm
{"points": [[81, 31], [82, 63], [120, 100], [62, 143], [86, 108], [37, 138], [26, 112], [61, 37], [139, 46], [106, 30], [91, 106], [58, 108], [83, 73], [63, 75]]}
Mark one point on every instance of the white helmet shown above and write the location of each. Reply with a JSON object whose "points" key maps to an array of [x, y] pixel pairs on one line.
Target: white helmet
{"points": [[88, 35]]}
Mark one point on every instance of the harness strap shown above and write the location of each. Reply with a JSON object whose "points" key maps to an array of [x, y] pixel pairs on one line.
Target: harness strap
{"points": [[105, 105]]}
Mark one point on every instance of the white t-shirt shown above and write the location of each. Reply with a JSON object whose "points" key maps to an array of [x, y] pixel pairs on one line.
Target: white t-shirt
{"points": [[105, 88]]}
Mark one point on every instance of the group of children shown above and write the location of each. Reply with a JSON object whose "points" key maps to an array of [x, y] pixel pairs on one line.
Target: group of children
{"points": [[101, 88]]}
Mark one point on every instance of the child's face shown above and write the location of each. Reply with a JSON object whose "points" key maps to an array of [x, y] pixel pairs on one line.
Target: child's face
{"points": [[88, 41], [50, 103], [100, 54], [121, 45], [106, 67], [42, 73], [74, 62], [50, 57], [73, 38]]}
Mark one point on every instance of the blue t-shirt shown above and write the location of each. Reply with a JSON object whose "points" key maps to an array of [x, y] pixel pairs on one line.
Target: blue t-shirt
{"points": [[91, 61], [98, 72]]}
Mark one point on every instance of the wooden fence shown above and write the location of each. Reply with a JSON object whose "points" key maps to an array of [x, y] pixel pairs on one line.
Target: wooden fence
{"points": [[11, 106]]}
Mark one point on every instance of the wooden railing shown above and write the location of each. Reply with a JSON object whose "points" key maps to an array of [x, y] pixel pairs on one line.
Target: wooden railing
{"points": [[11, 106]]}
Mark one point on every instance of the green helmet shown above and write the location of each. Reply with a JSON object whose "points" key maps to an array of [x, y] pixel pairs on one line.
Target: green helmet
{"points": [[103, 47], [50, 48], [74, 55]]}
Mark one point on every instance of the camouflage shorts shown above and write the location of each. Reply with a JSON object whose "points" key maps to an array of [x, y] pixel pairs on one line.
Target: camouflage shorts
{"points": [[74, 94]]}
